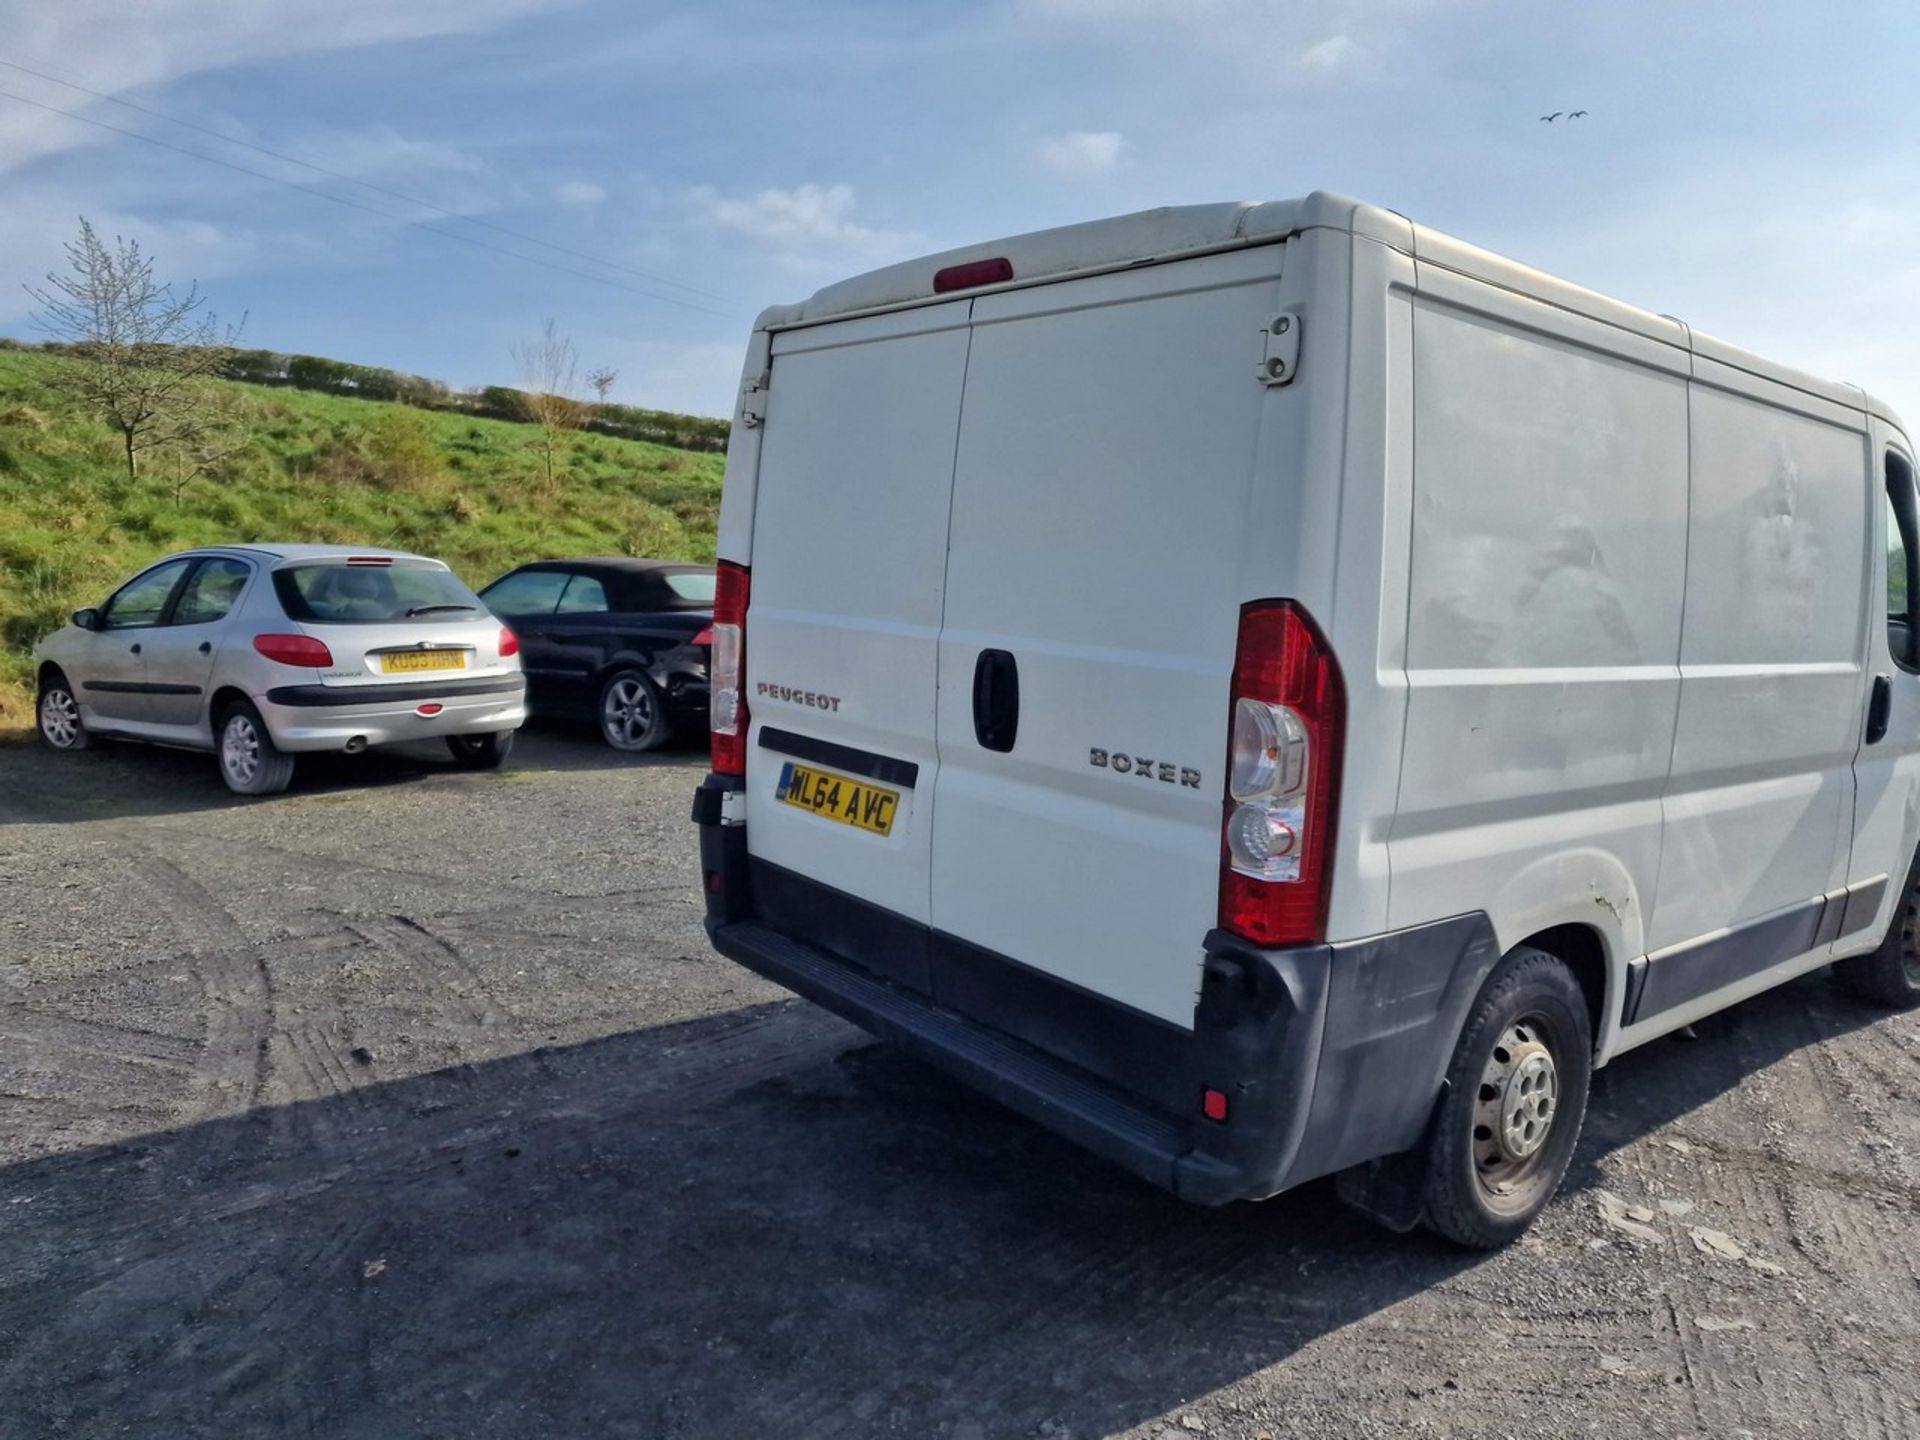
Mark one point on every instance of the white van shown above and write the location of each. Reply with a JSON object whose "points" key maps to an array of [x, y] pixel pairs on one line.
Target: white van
{"points": [[1271, 691]]}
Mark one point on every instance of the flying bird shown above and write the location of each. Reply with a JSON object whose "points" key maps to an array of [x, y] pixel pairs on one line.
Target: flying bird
{"points": [[1576, 114], [1553, 117]]}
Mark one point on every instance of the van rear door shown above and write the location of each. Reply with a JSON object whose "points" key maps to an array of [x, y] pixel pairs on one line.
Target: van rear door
{"points": [[1106, 454], [849, 547]]}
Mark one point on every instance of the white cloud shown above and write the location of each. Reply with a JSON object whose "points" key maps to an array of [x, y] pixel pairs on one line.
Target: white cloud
{"points": [[1082, 153], [93, 43], [1335, 52], [42, 219], [579, 194], [810, 228]]}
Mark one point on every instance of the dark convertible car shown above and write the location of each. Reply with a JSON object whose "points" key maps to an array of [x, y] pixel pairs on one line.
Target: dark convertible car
{"points": [[622, 642]]}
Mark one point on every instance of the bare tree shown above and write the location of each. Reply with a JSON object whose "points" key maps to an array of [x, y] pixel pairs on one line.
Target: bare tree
{"points": [[549, 368], [142, 349], [602, 380]]}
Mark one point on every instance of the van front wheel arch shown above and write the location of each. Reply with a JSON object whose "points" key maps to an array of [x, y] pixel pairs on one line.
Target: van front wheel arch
{"points": [[1514, 1101], [1889, 974]]}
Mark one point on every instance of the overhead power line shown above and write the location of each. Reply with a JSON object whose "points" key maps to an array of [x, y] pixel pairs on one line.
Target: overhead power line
{"points": [[431, 229], [227, 139]]}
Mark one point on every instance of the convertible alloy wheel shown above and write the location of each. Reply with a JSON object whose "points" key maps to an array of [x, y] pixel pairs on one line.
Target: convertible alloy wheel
{"points": [[631, 715]]}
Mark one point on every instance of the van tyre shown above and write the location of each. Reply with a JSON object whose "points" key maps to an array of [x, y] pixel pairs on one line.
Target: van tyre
{"points": [[1890, 973], [1515, 1098], [481, 752], [633, 712], [58, 714], [250, 762]]}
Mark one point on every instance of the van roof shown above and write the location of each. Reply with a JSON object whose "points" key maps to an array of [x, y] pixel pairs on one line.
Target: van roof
{"points": [[1179, 231]]}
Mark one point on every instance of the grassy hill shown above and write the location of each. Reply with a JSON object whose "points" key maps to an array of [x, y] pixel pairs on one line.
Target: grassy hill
{"points": [[310, 467]]}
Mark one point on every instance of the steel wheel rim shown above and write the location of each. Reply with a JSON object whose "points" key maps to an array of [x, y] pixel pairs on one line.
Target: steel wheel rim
{"points": [[1515, 1108], [59, 719], [240, 750], [626, 715]]}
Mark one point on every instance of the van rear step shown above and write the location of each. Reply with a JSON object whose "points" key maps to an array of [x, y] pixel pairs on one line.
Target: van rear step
{"points": [[1062, 1097]]}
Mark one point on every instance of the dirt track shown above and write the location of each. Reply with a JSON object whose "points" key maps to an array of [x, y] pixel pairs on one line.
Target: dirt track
{"points": [[414, 1104]]}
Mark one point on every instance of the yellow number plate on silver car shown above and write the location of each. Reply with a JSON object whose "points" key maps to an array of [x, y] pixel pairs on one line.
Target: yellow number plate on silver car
{"points": [[858, 803], [402, 662]]}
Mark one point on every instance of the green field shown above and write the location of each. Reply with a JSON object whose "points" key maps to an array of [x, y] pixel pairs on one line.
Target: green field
{"points": [[310, 467]]}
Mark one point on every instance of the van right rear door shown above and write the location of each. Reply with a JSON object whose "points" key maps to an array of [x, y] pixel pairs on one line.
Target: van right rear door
{"points": [[848, 572], [1102, 493]]}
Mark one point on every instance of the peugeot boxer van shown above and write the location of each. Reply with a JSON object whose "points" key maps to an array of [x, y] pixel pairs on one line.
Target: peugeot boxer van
{"points": [[1270, 691]]}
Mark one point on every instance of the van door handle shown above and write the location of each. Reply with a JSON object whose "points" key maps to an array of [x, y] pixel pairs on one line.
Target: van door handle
{"points": [[1879, 709], [996, 700]]}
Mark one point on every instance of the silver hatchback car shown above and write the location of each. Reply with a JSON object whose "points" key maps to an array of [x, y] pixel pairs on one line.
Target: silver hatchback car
{"points": [[260, 652]]}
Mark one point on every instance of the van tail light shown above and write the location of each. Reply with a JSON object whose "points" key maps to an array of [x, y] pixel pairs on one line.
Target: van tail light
{"points": [[727, 670], [1283, 778], [509, 644], [301, 650]]}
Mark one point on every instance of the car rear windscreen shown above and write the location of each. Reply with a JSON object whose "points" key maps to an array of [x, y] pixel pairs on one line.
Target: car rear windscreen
{"points": [[337, 593]]}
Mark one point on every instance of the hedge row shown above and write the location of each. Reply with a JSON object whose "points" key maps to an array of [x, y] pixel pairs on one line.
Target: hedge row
{"points": [[496, 402]]}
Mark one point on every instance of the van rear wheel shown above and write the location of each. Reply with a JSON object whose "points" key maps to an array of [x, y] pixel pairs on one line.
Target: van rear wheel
{"points": [[1515, 1099], [1889, 974]]}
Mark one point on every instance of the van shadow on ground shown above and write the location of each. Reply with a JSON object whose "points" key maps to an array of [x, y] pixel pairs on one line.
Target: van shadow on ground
{"points": [[676, 1232]]}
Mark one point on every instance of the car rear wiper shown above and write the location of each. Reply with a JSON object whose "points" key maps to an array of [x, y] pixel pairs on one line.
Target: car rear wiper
{"points": [[444, 605]]}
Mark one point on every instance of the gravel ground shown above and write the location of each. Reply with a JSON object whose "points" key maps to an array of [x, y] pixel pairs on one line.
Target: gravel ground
{"points": [[413, 1103]]}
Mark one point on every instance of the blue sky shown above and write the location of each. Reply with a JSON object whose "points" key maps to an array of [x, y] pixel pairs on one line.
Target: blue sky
{"points": [[1750, 168]]}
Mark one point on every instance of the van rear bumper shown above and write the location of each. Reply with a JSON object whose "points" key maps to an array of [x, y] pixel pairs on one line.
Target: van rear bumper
{"points": [[1330, 1055]]}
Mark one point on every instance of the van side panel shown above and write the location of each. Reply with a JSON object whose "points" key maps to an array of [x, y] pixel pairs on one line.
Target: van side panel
{"points": [[1549, 545], [1759, 808]]}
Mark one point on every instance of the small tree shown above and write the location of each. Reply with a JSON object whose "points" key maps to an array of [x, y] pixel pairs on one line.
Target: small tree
{"points": [[602, 380], [549, 368], [141, 349]]}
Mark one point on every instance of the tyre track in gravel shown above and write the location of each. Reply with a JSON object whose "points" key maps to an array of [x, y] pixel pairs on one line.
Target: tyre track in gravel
{"points": [[728, 1054], [231, 1069]]}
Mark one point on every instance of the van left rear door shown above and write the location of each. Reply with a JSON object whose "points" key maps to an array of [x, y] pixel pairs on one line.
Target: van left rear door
{"points": [[848, 578]]}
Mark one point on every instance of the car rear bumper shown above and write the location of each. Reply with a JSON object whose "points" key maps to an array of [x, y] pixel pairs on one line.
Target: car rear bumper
{"points": [[1330, 1056], [319, 717]]}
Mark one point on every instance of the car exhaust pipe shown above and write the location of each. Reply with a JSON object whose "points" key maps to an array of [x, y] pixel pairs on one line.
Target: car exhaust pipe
{"points": [[356, 744]]}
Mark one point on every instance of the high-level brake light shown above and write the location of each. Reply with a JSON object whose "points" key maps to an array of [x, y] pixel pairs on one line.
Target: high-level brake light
{"points": [[1289, 717], [727, 670], [973, 274]]}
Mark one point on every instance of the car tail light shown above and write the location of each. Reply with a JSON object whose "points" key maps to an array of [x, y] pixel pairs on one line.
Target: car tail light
{"points": [[705, 637], [509, 644], [301, 650], [727, 671], [1283, 777]]}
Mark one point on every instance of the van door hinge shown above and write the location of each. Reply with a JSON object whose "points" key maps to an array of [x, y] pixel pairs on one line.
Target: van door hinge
{"points": [[1279, 349], [753, 402]]}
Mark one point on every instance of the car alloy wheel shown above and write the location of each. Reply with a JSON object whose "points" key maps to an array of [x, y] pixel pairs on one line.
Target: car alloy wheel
{"points": [[628, 715], [59, 718], [240, 750]]}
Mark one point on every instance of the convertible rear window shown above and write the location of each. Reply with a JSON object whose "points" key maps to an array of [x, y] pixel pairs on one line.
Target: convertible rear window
{"points": [[333, 593], [694, 587]]}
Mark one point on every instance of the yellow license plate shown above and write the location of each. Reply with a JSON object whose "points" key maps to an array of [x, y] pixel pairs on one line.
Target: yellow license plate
{"points": [[858, 803], [410, 660]]}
